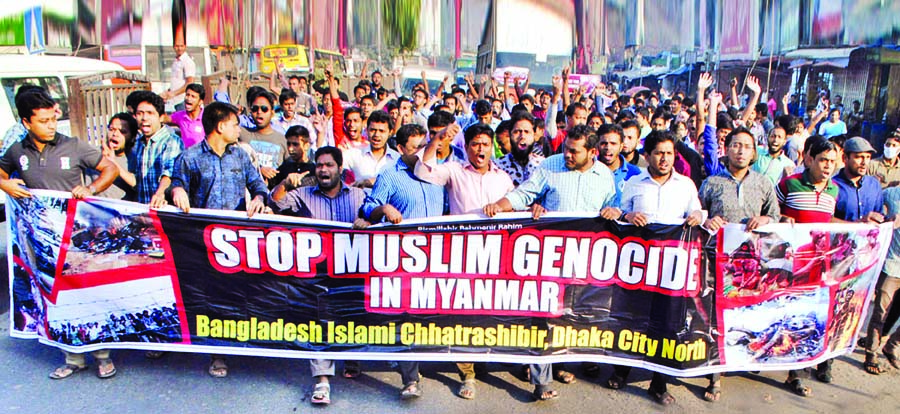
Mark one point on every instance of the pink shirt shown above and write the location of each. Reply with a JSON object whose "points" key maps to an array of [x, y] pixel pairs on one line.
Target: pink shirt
{"points": [[468, 190], [191, 129]]}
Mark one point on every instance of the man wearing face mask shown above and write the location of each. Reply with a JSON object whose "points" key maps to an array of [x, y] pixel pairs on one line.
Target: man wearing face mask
{"points": [[886, 168]]}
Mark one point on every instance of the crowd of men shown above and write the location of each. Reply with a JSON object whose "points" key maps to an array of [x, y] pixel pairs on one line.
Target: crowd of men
{"points": [[306, 149]]}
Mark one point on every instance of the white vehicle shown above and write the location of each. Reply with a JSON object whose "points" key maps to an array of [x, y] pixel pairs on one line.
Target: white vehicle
{"points": [[49, 72], [411, 75]]}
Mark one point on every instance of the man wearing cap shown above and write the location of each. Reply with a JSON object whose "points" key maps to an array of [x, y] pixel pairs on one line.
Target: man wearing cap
{"points": [[859, 195], [860, 199]]}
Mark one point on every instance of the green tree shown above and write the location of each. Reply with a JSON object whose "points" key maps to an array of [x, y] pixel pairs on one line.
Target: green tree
{"points": [[400, 28]]}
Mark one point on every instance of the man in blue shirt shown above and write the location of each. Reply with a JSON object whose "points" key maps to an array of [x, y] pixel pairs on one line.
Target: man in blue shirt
{"points": [[859, 195], [859, 199], [609, 149], [398, 194], [214, 174]]}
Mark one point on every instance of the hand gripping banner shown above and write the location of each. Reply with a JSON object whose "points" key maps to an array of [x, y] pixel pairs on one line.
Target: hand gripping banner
{"points": [[101, 274]]}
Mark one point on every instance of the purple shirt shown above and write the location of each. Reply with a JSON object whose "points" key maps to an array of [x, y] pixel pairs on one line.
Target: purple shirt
{"points": [[191, 129]]}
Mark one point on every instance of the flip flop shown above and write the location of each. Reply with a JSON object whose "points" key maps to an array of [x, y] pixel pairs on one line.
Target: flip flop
{"points": [[105, 362], [321, 394], [351, 371], [873, 367], [66, 371], [544, 393], [798, 388], [564, 377], [218, 368], [411, 390], [663, 398], [712, 393], [615, 382], [467, 390]]}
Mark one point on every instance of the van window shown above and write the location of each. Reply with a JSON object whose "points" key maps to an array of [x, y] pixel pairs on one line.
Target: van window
{"points": [[51, 83]]}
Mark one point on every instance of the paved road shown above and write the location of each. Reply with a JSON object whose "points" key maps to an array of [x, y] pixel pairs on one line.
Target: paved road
{"points": [[178, 383]]}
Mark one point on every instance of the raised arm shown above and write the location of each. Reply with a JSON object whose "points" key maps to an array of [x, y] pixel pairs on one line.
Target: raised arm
{"points": [[703, 84], [753, 85], [550, 123]]}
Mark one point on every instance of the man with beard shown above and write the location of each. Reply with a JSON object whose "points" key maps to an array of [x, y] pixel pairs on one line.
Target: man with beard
{"points": [[631, 133], [660, 195], [610, 137], [774, 163], [367, 162], [189, 120], [331, 200], [521, 160], [859, 200], [736, 194], [269, 144], [569, 182]]}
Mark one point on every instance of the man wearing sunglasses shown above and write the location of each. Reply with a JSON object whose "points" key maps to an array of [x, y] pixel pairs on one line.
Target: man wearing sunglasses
{"points": [[270, 145]]}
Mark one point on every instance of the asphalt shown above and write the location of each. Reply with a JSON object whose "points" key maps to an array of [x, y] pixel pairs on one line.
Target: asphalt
{"points": [[178, 383]]}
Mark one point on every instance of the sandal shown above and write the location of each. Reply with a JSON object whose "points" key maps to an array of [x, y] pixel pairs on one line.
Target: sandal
{"points": [[591, 370], [467, 390], [663, 398], [873, 367], [352, 370], [544, 393], [218, 368], [321, 394], [615, 382], [564, 377], [154, 354], [66, 371], [411, 390], [712, 393], [798, 388], [110, 370]]}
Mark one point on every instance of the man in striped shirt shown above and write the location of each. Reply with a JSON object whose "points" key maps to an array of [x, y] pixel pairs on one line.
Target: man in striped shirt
{"points": [[331, 200], [810, 197]]}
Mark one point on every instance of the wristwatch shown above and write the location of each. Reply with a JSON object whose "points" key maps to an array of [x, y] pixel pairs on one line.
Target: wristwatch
{"points": [[93, 189]]}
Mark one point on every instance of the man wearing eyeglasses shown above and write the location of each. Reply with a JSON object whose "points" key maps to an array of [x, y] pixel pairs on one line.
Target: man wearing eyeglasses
{"points": [[270, 145]]}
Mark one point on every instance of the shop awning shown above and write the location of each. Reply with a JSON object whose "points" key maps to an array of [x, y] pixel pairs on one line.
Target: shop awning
{"points": [[680, 71], [642, 72], [838, 57]]}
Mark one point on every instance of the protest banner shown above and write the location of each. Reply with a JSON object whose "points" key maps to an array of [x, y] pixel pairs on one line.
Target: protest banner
{"points": [[102, 274]]}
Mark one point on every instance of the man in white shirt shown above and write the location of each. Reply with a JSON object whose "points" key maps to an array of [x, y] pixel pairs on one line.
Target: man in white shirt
{"points": [[658, 195], [366, 162], [184, 72]]}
